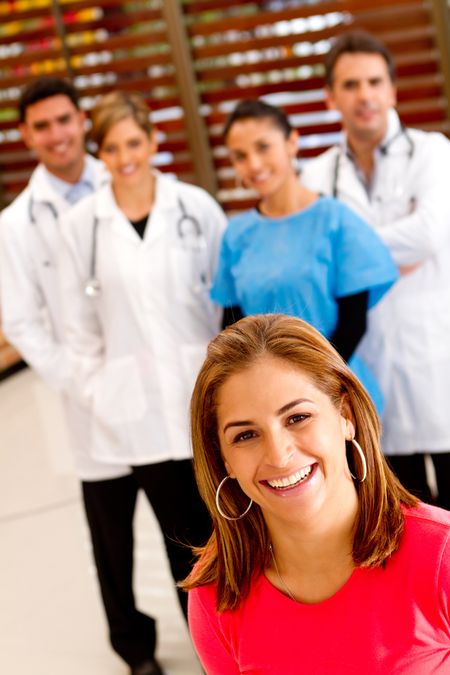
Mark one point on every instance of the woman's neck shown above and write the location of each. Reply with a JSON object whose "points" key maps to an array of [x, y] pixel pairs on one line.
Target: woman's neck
{"points": [[135, 201], [314, 559], [290, 198]]}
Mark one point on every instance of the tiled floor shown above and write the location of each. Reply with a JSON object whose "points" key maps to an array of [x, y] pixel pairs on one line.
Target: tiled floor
{"points": [[51, 620]]}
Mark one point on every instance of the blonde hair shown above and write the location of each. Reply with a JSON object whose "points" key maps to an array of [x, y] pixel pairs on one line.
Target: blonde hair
{"points": [[115, 107], [238, 550]]}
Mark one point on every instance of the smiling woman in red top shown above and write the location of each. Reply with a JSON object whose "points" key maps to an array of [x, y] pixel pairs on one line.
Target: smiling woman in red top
{"points": [[321, 562]]}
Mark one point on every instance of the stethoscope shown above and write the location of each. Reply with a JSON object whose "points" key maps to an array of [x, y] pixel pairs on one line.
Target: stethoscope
{"points": [[186, 226], [52, 208], [384, 150]]}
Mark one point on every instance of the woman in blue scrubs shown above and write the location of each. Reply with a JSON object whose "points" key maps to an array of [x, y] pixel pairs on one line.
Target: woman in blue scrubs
{"points": [[297, 252]]}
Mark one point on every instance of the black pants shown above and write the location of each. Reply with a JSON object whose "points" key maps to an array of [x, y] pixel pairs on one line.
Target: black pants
{"points": [[410, 469], [184, 521]]}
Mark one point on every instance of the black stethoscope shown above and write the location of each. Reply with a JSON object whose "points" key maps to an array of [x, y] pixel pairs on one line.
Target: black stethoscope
{"points": [[384, 150], [186, 226]]}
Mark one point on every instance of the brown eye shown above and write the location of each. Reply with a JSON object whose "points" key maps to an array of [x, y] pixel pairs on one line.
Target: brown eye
{"points": [[243, 436], [300, 417]]}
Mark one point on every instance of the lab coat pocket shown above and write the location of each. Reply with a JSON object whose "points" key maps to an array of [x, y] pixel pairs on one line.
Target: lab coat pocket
{"points": [[119, 396], [188, 274]]}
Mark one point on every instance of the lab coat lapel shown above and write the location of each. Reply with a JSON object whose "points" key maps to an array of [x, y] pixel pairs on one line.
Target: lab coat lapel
{"points": [[107, 211], [42, 191], [165, 210]]}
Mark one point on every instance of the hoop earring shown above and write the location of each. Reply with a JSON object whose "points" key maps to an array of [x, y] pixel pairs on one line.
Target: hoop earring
{"points": [[224, 515], [363, 461]]}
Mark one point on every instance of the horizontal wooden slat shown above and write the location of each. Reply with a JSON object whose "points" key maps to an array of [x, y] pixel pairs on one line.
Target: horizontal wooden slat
{"points": [[193, 7], [248, 21]]}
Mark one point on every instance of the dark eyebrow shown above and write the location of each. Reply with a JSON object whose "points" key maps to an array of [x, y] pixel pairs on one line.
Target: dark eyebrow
{"points": [[241, 423], [281, 411], [61, 119], [292, 404]]}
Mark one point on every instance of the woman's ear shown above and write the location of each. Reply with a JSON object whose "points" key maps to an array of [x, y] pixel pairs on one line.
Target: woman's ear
{"points": [[229, 471], [348, 420]]}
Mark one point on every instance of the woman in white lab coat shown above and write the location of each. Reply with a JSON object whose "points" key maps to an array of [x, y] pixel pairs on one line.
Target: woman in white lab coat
{"points": [[138, 260]]}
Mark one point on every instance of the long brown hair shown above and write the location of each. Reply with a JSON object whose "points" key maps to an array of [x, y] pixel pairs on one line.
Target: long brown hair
{"points": [[238, 550]]}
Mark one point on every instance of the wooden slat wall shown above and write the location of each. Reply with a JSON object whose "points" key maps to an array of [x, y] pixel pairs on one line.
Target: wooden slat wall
{"points": [[239, 49], [252, 49]]}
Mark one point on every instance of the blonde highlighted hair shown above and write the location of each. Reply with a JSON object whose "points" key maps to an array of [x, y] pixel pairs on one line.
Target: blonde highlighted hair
{"points": [[238, 550], [115, 107]]}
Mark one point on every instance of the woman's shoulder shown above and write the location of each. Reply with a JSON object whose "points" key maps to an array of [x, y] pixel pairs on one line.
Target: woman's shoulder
{"points": [[244, 218], [238, 228], [186, 190], [426, 517], [260, 594], [205, 594], [427, 531], [333, 213], [334, 206]]}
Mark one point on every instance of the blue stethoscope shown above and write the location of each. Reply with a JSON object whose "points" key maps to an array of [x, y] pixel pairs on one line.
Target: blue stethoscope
{"points": [[384, 150], [187, 226]]}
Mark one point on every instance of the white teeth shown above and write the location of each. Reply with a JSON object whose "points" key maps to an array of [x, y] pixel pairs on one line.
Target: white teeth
{"points": [[289, 481]]}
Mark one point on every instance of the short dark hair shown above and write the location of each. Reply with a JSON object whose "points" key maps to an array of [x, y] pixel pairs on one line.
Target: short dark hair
{"points": [[45, 87], [256, 109], [357, 42]]}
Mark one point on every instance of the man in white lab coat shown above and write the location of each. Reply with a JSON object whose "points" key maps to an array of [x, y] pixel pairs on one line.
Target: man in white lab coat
{"points": [[53, 126], [397, 179]]}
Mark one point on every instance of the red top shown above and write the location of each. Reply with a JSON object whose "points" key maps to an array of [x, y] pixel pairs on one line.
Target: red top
{"points": [[393, 620]]}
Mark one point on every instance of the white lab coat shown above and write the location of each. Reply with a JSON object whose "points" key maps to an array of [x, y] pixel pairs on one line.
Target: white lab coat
{"points": [[141, 342], [31, 302], [407, 344]]}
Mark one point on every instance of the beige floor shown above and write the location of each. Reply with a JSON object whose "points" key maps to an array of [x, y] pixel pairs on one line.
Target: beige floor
{"points": [[51, 620]]}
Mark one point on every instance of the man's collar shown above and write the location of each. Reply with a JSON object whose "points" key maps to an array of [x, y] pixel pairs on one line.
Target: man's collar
{"points": [[63, 187], [393, 128]]}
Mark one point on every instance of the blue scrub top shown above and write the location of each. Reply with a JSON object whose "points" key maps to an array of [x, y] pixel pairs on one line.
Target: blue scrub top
{"points": [[301, 264]]}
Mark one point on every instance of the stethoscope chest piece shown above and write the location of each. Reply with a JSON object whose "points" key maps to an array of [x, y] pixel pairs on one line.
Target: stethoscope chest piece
{"points": [[92, 288]]}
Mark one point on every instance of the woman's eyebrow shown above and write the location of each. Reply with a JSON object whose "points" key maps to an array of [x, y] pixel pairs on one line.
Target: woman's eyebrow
{"points": [[292, 404], [241, 423]]}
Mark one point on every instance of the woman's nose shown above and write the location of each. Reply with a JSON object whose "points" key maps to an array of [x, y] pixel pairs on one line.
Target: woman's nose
{"points": [[123, 155], [278, 449]]}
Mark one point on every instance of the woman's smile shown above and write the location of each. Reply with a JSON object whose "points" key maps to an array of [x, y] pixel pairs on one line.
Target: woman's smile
{"points": [[287, 483]]}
